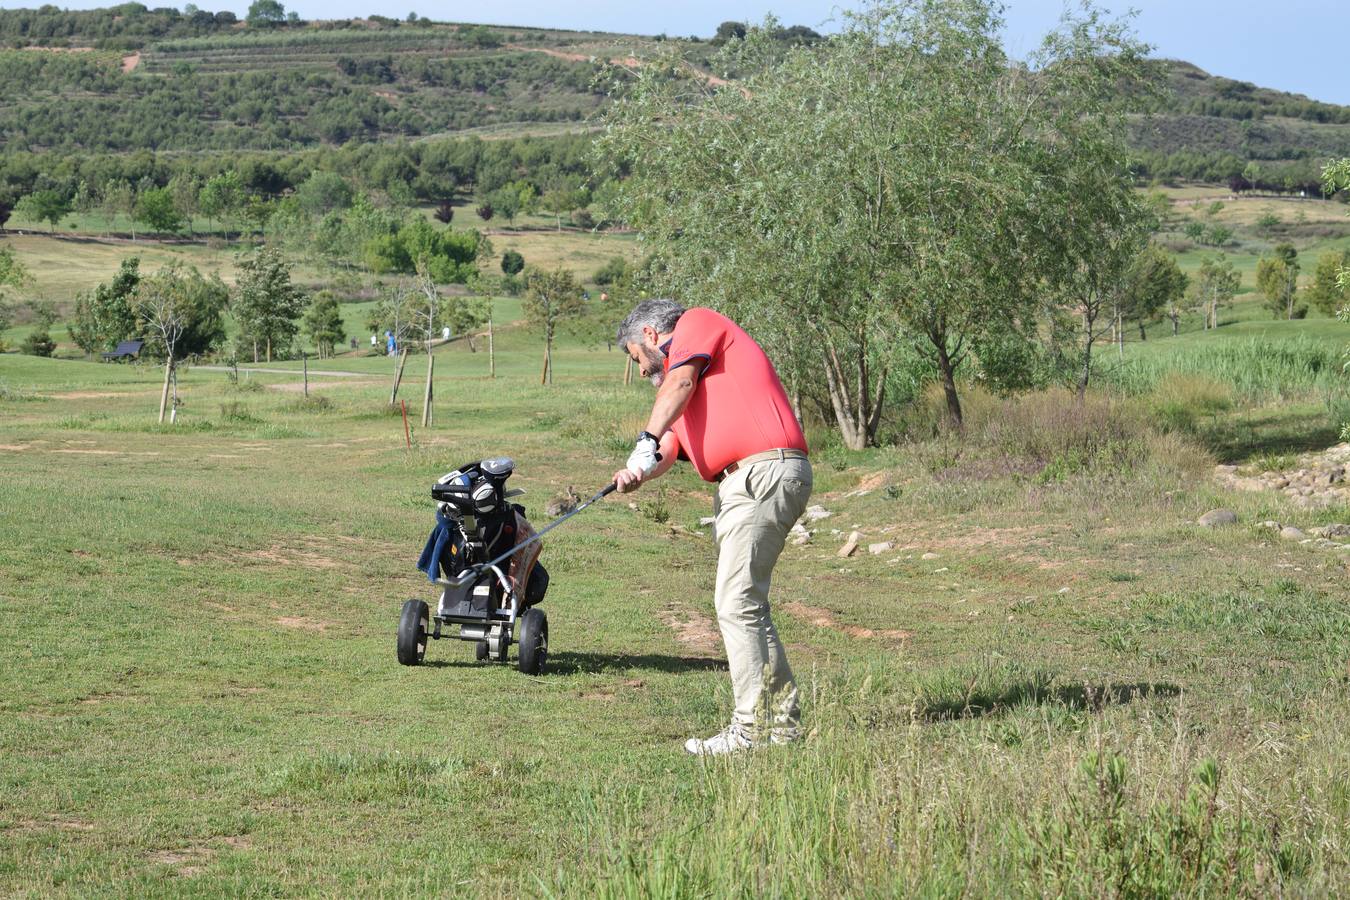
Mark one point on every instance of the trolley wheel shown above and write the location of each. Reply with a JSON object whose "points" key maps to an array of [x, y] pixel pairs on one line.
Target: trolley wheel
{"points": [[480, 650], [412, 633], [533, 641]]}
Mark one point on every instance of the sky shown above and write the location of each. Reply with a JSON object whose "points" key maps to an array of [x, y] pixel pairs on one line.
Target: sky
{"points": [[1292, 46]]}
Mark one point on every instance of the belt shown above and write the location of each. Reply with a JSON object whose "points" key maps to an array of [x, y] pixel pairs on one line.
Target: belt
{"points": [[780, 454]]}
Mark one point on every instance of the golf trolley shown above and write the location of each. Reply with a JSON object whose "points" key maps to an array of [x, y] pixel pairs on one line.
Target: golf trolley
{"points": [[485, 557]]}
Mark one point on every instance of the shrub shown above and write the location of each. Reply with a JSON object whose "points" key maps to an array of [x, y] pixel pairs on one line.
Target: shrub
{"points": [[38, 343], [1180, 401]]}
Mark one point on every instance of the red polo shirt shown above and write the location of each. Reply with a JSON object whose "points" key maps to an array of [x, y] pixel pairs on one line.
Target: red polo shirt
{"points": [[739, 407]]}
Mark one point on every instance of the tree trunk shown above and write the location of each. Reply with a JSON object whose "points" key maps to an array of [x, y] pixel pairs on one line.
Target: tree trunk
{"points": [[948, 373], [164, 395], [255, 351], [628, 370], [492, 356], [1085, 375], [1176, 325], [269, 348], [1142, 335], [546, 376]]}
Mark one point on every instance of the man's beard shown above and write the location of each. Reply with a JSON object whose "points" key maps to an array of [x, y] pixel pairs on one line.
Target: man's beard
{"points": [[657, 358]]}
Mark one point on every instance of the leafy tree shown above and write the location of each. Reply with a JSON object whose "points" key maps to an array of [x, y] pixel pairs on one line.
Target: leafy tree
{"points": [[397, 310], [48, 206], [486, 211], [729, 31], [12, 274], [512, 262], [222, 197], [185, 188], [266, 305], [1328, 292], [265, 14], [38, 342], [85, 200], [551, 296], [888, 171], [324, 192], [1215, 286], [1154, 283], [104, 316], [1277, 280], [445, 213], [612, 271], [155, 209], [6, 210], [323, 323], [179, 295], [448, 256], [119, 199]]}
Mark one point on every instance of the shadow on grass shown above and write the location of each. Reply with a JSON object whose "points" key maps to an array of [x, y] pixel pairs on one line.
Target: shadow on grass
{"points": [[570, 663], [1298, 430], [979, 702]]}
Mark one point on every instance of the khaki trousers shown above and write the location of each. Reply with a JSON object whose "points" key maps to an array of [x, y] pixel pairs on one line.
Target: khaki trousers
{"points": [[755, 507]]}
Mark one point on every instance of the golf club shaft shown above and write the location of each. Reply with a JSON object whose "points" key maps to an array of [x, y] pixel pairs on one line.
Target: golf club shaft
{"points": [[599, 495]]}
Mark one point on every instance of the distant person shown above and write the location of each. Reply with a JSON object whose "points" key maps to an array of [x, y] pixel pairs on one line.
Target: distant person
{"points": [[374, 340], [720, 405], [391, 345]]}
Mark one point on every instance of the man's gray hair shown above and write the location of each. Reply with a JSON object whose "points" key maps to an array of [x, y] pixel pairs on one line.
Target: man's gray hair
{"points": [[661, 315]]}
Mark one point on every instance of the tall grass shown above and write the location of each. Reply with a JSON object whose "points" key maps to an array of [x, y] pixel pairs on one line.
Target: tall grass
{"points": [[1256, 369]]}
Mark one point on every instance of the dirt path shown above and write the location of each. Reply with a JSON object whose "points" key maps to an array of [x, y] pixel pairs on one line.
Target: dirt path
{"points": [[314, 373]]}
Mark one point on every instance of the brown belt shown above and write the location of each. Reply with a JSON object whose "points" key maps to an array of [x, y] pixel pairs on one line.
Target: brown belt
{"points": [[779, 454]]}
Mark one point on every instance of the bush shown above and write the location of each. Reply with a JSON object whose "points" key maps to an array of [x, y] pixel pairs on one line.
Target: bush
{"points": [[38, 343], [582, 218], [512, 262], [612, 271]]}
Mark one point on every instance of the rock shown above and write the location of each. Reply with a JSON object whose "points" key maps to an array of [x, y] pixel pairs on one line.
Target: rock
{"points": [[707, 520], [1225, 470], [1062, 590], [851, 545], [1270, 524], [929, 556], [800, 535], [816, 513], [1216, 518], [1290, 533], [877, 549]]}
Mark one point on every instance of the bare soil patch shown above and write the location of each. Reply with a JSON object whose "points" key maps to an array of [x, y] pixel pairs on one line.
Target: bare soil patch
{"points": [[824, 618], [129, 63], [186, 862], [92, 395], [302, 623], [693, 629]]}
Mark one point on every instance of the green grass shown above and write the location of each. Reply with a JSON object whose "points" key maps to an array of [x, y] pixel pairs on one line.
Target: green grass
{"points": [[1082, 695]]}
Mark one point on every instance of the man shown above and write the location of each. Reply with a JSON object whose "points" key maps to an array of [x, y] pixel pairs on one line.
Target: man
{"points": [[719, 404]]}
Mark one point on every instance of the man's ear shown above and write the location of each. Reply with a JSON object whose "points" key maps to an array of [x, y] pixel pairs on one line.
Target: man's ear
{"points": [[649, 335]]}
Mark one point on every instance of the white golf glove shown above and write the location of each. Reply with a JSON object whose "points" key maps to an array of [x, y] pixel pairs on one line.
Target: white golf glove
{"points": [[644, 457]]}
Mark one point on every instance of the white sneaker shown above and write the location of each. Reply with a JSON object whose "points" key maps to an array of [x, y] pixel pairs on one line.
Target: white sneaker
{"points": [[732, 739]]}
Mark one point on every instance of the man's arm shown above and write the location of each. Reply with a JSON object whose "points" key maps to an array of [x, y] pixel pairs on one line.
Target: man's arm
{"points": [[672, 397], [629, 481]]}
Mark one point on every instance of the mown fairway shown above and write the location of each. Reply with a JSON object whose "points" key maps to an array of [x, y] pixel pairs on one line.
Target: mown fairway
{"points": [[1053, 683]]}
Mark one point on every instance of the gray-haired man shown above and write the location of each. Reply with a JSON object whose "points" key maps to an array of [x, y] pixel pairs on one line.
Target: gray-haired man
{"points": [[720, 405]]}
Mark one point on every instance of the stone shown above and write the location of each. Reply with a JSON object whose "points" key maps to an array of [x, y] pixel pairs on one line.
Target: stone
{"points": [[1334, 530], [929, 555], [1217, 518], [707, 520], [799, 535], [882, 547], [851, 545], [816, 513], [1271, 524], [1290, 533]]}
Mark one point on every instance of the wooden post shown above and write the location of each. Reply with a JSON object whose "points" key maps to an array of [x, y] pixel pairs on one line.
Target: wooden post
{"points": [[628, 370], [398, 376], [305, 357], [546, 376], [164, 395], [426, 399], [407, 434]]}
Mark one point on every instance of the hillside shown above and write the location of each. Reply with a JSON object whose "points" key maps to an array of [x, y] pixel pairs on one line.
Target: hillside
{"points": [[130, 79]]}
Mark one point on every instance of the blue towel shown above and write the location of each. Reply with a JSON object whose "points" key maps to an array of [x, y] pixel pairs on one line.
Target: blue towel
{"points": [[433, 554]]}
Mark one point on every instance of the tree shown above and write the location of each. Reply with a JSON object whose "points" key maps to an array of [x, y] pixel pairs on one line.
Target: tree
{"points": [[889, 171], [85, 200], [6, 210], [397, 310], [48, 206], [323, 193], [551, 296], [180, 313], [1252, 173], [186, 188], [1328, 293], [266, 304], [119, 199], [39, 341], [104, 316], [1277, 280], [155, 208], [265, 14], [1336, 177], [512, 262], [445, 213], [485, 211], [1153, 284], [323, 323], [1215, 286], [222, 197], [12, 274], [729, 31]]}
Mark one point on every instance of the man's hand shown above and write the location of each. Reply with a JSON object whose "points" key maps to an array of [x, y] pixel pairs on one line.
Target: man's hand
{"points": [[627, 481], [644, 457]]}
